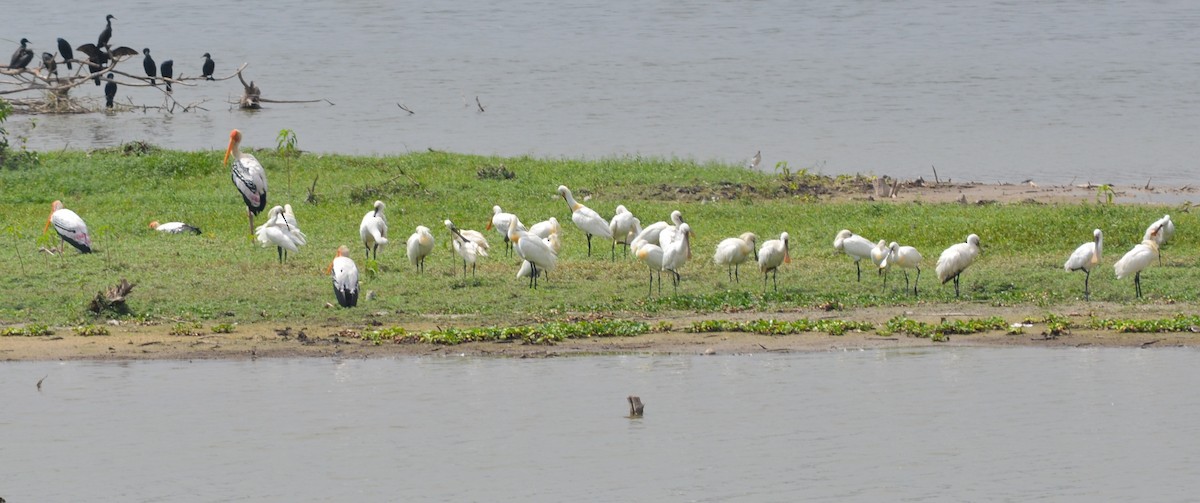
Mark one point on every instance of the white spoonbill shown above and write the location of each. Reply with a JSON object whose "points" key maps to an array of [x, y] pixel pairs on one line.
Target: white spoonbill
{"points": [[878, 257], [545, 228], [652, 233], [467, 249], [345, 277], [70, 228], [373, 230], [1085, 258], [857, 247], [420, 245], [248, 176], [904, 257], [588, 221], [276, 231], [652, 256], [624, 226], [677, 253], [1160, 232], [955, 259], [1136, 260], [500, 221], [174, 228], [533, 249], [289, 218], [774, 253], [733, 252]]}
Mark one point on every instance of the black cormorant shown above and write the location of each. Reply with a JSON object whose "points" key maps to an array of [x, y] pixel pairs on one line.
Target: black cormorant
{"points": [[97, 60], [49, 64], [209, 66], [64, 50], [107, 33], [110, 91], [22, 56], [167, 72], [148, 64]]}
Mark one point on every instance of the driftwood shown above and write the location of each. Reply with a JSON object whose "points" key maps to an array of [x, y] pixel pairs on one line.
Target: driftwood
{"points": [[635, 406], [112, 299]]}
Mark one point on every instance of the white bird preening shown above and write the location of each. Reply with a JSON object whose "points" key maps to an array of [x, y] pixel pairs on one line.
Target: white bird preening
{"points": [[733, 252], [174, 228], [373, 230], [857, 247], [1135, 261], [588, 221], [277, 231], [69, 227], [1086, 257], [677, 253], [652, 256], [624, 227], [544, 228], [465, 247], [420, 245], [1160, 232], [533, 249], [248, 176], [774, 253], [904, 257], [500, 221], [345, 277], [955, 259], [652, 233]]}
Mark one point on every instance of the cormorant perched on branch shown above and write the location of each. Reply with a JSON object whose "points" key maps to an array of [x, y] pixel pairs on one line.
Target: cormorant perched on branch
{"points": [[49, 64], [148, 64], [64, 49], [97, 60], [209, 66], [110, 91], [22, 56], [167, 72], [107, 33]]}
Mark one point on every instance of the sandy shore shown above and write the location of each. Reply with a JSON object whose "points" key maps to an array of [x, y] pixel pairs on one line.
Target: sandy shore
{"points": [[279, 340]]}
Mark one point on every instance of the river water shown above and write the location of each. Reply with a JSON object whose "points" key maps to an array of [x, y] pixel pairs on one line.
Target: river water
{"points": [[939, 424], [1055, 91]]}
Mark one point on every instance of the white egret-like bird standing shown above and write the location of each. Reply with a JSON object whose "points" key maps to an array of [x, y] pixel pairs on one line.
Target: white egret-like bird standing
{"points": [[773, 254], [69, 227], [500, 221], [534, 250], [1085, 258], [677, 253], [624, 227], [276, 231], [955, 259], [373, 230], [588, 221], [345, 277], [420, 245], [904, 257], [652, 256], [466, 248], [878, 257], [1135, 261], [857, 247], [248, 176], [545, 228], [733, 252]]}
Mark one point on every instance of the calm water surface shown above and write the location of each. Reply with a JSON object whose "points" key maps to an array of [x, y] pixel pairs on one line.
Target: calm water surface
{"points": [[940, 424], [1103, 91]]}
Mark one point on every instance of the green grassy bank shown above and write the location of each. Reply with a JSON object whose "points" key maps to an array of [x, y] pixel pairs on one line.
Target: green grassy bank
{"points": [[222, 275]]}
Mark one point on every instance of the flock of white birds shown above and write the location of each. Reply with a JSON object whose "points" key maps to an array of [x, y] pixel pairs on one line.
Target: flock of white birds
{"points": [[663, 246]]}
